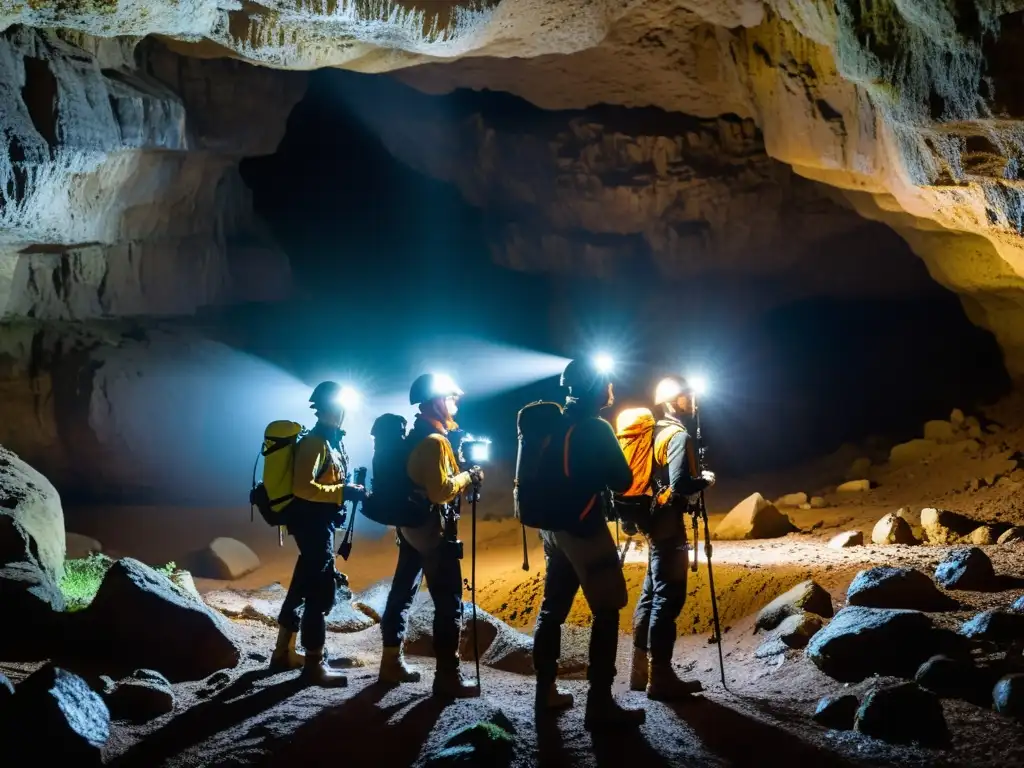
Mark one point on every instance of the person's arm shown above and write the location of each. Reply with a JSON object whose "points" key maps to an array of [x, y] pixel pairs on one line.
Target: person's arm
{"points": [[311, 454], [683, 478], [594, 452], [429, 467]]}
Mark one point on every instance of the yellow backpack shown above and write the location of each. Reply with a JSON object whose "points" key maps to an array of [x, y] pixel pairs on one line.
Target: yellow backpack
{"points": [[634, 428], [273, 494]]}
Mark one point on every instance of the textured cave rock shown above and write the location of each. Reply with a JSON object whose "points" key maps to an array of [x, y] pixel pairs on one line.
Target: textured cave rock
{"points": [[119, 187], [912, 111]]}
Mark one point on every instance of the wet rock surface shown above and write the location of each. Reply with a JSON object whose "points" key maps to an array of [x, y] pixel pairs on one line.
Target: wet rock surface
{"points": [[886, 587], [967, 568]]}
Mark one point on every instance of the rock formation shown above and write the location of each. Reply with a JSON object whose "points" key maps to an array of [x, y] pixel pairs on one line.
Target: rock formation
{"points": [[910, 113]]}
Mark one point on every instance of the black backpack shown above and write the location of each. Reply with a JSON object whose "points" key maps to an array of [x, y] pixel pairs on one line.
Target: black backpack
{"points": [[394, 499], [543, 494]]}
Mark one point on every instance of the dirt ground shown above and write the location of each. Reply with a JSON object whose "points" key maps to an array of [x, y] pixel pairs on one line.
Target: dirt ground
{"points": [[247, 717]]}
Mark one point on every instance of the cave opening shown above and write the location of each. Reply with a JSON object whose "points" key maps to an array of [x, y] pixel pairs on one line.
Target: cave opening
{"points": [[860, 341]]}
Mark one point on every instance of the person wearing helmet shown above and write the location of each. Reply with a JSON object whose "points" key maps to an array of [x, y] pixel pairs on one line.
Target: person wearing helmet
{"points": [[676, 478], [422, 550], [320, 490], [584, 553]]}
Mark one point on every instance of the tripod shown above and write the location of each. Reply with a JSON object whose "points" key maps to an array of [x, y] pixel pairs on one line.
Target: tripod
{"points": [[702, 512]]}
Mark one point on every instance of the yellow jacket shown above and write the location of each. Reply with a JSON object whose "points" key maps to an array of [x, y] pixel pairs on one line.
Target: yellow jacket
{"points": [[432, 466], [319, 471]]}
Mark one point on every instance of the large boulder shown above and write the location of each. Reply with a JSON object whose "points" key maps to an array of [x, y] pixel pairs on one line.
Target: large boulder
{"points": [[373, 599], [419, 639], [886, 587], [847, 539], [139, 698], [903, 714], [837, 712], [754, 518], [968, 568], [995, 626], [224, 558], [951, 678], [32, 602], [143, 620], [797, 630], [806, 597], [854, 486], [985, 535], [941, 526], [1008, 696], [57, 719], [860, 642], [892, 529], [31, 518], [264, 605], [1012, 535]]}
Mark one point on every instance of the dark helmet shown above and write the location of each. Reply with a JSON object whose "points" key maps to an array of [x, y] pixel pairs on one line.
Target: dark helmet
{"points": [[326, 393], [388, 425], [433, 385], [585, 375]]}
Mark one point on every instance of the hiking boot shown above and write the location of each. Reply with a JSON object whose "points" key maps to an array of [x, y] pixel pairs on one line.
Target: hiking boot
{"points": [[604, 711], [450, 684], [285, 657], [394, 670], [316, 671], [638, 670], [665, 685], [550, 697]]}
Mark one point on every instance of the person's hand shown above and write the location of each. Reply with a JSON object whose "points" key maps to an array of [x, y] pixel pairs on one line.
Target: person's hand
{"points": [[339, 518], [476, 474], [708, 477], [355, 493]]}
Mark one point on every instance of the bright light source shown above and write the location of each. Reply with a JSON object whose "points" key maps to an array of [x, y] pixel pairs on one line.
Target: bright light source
{"points": [[604, 362], [349, 398], [444, 385], [476, 450], [668, 390], [698, 384]]}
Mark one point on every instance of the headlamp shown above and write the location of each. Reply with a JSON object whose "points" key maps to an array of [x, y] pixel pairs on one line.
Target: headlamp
{"points": [[698, 384], [604, 362], [348, 398]]}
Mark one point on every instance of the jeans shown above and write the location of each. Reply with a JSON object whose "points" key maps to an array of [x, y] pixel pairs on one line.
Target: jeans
{"points": [[664, 591], [312, 590], [423, 553], [590, 562]]}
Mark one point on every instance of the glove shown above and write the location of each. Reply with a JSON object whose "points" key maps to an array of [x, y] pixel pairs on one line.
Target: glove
{"points": [[355, 493], [476, 474], [708, 477], [339, 518]]}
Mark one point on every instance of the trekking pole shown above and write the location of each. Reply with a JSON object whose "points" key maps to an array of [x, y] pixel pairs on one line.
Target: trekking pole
{"points": [[526, 554], [703, 510], [476, 645], [346, 543]]}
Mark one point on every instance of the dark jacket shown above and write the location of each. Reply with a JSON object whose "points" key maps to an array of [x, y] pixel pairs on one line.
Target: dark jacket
{"points": [[680, 471]]}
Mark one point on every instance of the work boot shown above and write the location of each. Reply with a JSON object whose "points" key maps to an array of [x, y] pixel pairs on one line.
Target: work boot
{"points": [[394, 670], [285, 657], [450, 684], [551, 698], [665, 685], [638, 670], [604, 711], [316, 671]]}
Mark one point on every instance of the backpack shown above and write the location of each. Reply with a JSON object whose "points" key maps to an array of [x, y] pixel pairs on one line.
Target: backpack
{"points": [[542, 492], [394, 500], [272, 495], [634, 429]]}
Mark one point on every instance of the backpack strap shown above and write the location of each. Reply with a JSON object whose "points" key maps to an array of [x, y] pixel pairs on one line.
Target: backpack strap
{"points": [[565, 469]]}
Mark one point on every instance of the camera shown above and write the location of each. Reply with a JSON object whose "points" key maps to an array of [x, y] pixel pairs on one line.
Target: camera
{"points": [[359, 476], [474, 450]]}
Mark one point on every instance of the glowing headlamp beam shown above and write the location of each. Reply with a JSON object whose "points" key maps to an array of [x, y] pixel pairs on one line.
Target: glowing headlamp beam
{"points": [[604, 362], [698, 384], [349, 398]]}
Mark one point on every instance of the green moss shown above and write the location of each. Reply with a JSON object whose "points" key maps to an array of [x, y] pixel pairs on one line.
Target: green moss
{"points": [[82, 578]]}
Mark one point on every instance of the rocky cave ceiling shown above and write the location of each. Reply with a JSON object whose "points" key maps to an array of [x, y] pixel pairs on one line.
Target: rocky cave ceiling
{"points": [[904, 112]]}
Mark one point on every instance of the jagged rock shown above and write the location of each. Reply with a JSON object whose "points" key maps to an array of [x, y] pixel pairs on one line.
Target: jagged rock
{"points": [[31, 517], [944, 527], [968, 568], [224, 558], [805, 597], [860, 642], [79, 546], [951, 678], [797, 630], [854, 486], [984, 535], [817, 502], [903, 714], [940, 431], [892, 529], [754, 518], [770, 648], [143, 696], [489, 743], [1008, 696], [886, 587], [6, 690], [264, 605], [847, 539], [72, 722], [144, 621], [419, 639], [837, 712], [1012, 535], [184, 580], [1018, 606], [792, 500], [859, 468], [995, 626], [31, 600], [373, 600]]}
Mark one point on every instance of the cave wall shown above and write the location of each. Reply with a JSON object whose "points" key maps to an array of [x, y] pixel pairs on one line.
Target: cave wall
{"points": [[121, 207], [916, 106]]}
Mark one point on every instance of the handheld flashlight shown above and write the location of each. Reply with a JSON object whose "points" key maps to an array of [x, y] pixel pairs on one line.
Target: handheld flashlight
{"points": [[474, 450]]}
